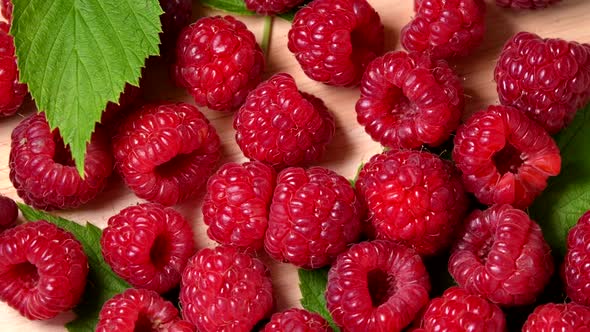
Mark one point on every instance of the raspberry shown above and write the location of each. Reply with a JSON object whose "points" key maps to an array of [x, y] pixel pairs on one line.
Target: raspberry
{"points": [[148, 246], [457, 310], [218, 62], [334, 40], [548, 79], [409, 99], [314, 216], [177, 15], [8, 213], [282, 126], [272, 7], [237, 204], [577, 262], [166, 152], [7, 8], [446, 28], [525, 4], [126, 100], [297, 320], [505, 157], [413, 197], [224, 289], [12, 93], [502, 255], [558, 317], [140, 310], [43, 269], [377, 286], [42, 169]]}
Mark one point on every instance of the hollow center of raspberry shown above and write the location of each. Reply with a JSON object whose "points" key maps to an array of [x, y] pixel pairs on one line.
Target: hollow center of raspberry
{"points": [[508, 159], [381, 286], [160, 251], [144, 324], [27, 273], [399, 105], [485, 249], [174, 165], [62, 154]]}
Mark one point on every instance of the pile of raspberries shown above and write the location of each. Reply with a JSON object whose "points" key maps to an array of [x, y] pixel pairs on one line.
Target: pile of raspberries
{"points": [[406, 204]]}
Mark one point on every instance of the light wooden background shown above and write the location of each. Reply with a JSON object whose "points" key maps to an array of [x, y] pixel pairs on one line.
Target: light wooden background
{"points": [[568, 20]]}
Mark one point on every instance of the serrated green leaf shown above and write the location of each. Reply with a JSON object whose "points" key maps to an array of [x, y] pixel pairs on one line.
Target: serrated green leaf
{"points": [[77, 55], [102, 283], [567, 196], [312, 284], [239, 7]]}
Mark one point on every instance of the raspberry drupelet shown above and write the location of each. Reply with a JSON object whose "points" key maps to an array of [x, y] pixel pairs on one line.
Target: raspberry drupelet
{"points": [[42, 169], [561, 317], [505, 157], [409, 100], [166, 152], [297, 320], [334, 40], [271, 7], [577, 262]]}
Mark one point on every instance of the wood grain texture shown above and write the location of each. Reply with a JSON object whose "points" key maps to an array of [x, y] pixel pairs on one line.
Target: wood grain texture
{"points": [[351, 146]]}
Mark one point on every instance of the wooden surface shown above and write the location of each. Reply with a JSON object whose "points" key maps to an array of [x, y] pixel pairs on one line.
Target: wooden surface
{"points": [[568, 20]]}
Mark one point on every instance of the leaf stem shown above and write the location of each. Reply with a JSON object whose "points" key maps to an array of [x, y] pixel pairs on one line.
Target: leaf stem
{"points": [[268, 20]]}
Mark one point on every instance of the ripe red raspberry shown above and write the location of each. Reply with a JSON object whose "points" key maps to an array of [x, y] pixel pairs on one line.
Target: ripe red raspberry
{"points": [[218, 61], [148, 246], [525, 4], [413, 197], [177, 15], [335, 40], [12, 92], [43, 269], [577, 262], [505, 157], [457, 310], [8, 213], [548, 79], [315, 214], [42, 169], [224, 289], [445, 28], [297, 320], [282, 126], [140, 310], [408, 100], [237, 204], [166, 152], [502, 255], [377, 286], [271, 7], [552, 317]]}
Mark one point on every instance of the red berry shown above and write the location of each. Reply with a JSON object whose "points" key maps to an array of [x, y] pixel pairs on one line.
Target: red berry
{"points": [[237, 204], [140, 310], [525, 4], [7, 8], [577, 262], [408, 100], [218, 61], [12, 93], [314, 216], [281, 126], [413, 197], [505, 157], [457, 310], [43, 269], [548, 79], [297, 320], [166, 152], [377, 286], [334, 40], [224, 289], [8, 213], [271, 7], [42, 169], [148, 246], [177, 15], [553, 317], [445, 28], [502, 255]]}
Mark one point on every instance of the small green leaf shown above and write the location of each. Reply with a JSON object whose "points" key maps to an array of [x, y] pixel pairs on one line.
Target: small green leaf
{"points": [[77, 55], [238, 7], [356, 175], [312, 284], [102, 283], [567, 196]]}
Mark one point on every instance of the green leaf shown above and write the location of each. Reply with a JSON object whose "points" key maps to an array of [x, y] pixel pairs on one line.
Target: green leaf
{"points": [[567, 196], [77, 55], [312, 284], [239, 7], [102, 283], [356, 175]]}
